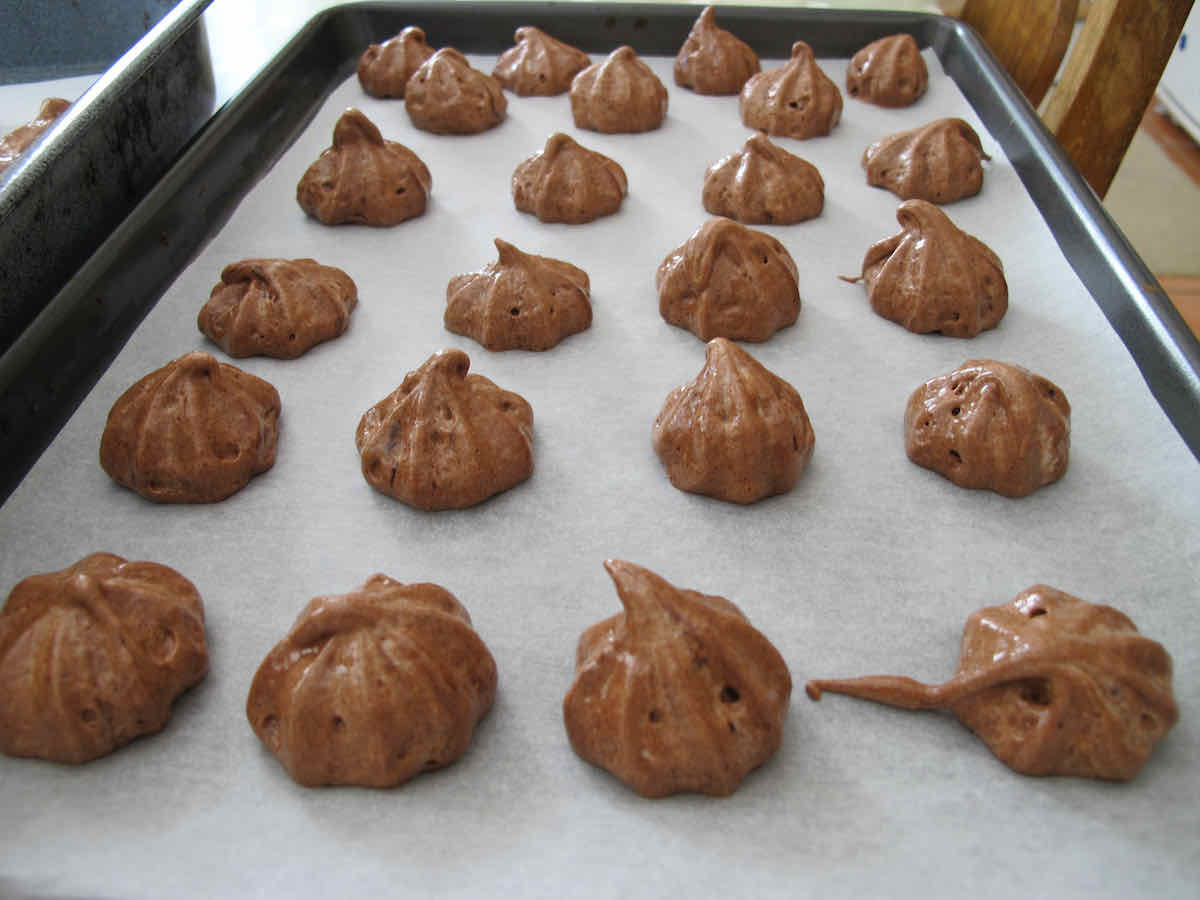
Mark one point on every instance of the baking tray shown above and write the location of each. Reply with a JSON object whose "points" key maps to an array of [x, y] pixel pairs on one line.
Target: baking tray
{"points": [[870, 564], [45, 373]]}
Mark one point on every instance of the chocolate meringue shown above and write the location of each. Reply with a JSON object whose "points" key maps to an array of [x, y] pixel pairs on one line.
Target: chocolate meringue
{"points": [[17, 141], [195, 431], [888, 72], [363, 179], [679, 692], [730, 281], [933, 276], [620, 94], [277, 307], [566, 182], [712, 60], [797, 100], [447, 96], [94, 655], [1053, 685], [763, 184], [940, 162], [519, 302], [384, 69], [737, 432], [445, 439], [373, 687], [539, 65], [990, 425]]}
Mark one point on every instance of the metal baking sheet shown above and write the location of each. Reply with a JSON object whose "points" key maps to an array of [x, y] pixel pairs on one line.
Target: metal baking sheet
{"points": [[871, 564]]}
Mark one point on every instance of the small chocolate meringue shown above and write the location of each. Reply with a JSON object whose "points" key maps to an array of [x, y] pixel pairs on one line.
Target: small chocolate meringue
{"points": [[797, 100], [447, 96], [888, 72], [940, 162], [384, 69], [713, 60], [763, 184], [566, 182], [539, 65], [618, 95]]}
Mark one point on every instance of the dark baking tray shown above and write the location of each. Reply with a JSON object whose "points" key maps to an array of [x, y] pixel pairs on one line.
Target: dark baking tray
{"points": [[51, 366]]}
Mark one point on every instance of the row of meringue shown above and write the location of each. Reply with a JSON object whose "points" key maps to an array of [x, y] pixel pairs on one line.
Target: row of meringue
{"points": [[678, 692]]}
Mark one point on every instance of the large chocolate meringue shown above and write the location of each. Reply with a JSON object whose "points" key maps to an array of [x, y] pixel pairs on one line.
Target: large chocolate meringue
{"points": [[730, 281], [363, 179], [94, 655], [195, 431], [940, 162], [933, 276], [384, 69], [1052, 684], [990, 425], [17, 141], [737, 432], [447, 96], [888, 72], [713, 60], [539, 65], [797, 100], [277, 307], [445, 439], [763, 184], [679, 692], [373, 687], [619, 94], [567, 182], [519, 302]]}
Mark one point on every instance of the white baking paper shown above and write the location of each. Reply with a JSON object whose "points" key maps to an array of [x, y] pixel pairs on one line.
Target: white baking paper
{"points": [[871, 564]]}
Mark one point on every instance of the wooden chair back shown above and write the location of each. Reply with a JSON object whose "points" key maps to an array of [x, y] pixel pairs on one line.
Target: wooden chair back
{"points": [[1106, 83]]}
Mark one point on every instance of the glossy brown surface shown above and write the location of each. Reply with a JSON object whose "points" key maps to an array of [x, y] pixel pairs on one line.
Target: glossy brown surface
{"points": [[17, 141], [445, 439], [713, 60], [797, 100], [538, 64], [567, 182], [888, 72], [736, 432], [940, 162], [933, 276], [676, 693], [519, 302], [94, 655], [729, 281], [277, 307], [990, 425], [384, 69], [373, 687], [1052, 684], [447, 96], [363, 179], [619, 94], [195, 431], [763, 184]]}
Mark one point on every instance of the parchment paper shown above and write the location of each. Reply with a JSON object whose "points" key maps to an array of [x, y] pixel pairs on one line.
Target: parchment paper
{"points": [[871, 564]]}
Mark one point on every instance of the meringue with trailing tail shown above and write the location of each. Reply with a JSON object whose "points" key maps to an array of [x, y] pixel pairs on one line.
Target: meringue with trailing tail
{"points": [[520, 302], [797, 100], [713, 60], [363, 179], [445, 439], [618, 95], [679, 692], [933, 276], [1052, 684], [940, 162], [373, 687], [737, 432], [539, 65], [95, 655]]}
